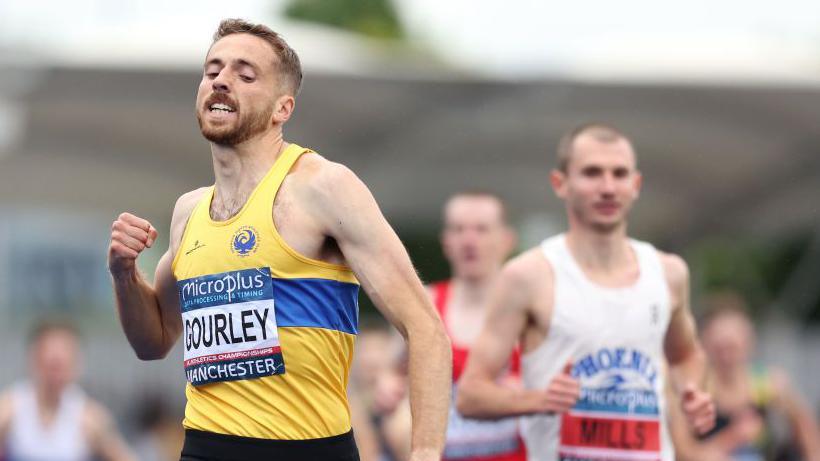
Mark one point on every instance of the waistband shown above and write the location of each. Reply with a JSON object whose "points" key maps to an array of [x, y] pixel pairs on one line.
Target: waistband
{"points": [[210, 446]]}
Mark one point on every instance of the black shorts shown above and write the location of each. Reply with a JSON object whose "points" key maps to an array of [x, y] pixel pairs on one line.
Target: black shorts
{"points": [[208, 446]]}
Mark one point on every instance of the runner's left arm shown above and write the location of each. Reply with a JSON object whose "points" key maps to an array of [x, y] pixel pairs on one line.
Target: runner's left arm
{"points": [[683, 352], [349, 214]]}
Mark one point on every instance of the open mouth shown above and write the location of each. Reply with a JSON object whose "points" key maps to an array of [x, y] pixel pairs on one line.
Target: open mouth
{"points": [[220, 108]]}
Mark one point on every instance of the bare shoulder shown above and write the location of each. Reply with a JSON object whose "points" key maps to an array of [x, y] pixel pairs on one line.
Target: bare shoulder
{"points": [[96, 419], [317, 175], [182, 211], [527, 270], [675, 269], [95, 412], [779, 380], [185, 204], [332, 194], [309, 163]]}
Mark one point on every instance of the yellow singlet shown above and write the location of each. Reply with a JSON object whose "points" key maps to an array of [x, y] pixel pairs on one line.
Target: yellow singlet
{"points": [[268, 333]]}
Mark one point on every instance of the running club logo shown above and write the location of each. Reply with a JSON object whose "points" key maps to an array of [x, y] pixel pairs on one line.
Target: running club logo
{"points": [[618, 413], [245, 241]]}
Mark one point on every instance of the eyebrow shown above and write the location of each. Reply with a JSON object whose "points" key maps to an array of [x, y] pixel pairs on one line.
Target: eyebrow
{"points": [[212, 61], [241, 62]]}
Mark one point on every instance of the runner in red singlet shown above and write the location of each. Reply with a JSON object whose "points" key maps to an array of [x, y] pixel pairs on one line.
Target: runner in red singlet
{"points": [[476, 240]]}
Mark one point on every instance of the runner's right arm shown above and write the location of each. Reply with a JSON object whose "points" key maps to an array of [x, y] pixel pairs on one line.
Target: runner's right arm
{"points": [[805, 430], [149, 315], [479, 393], [105, 440]]}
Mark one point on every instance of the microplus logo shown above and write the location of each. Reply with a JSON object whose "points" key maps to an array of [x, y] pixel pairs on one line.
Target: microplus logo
{"points": [[223, 288]]}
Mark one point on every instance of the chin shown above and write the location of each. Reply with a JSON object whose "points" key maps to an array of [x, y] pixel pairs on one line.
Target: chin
{"points": [[475, 274], [218, 136], [606, 227]]}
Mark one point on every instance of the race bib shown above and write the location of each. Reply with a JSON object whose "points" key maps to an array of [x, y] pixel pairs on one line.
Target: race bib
{"points": [[617, 416], [229, 327], [473, 438]]}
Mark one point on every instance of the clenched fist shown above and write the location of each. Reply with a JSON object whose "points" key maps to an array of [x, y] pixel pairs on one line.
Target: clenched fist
{"points": [[698, 408], [129, 236], [562, 392]]}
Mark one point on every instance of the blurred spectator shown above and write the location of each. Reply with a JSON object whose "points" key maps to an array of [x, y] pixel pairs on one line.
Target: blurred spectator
{"points": [[49, 418], [378, 391], [160, 432], [747, 395]]}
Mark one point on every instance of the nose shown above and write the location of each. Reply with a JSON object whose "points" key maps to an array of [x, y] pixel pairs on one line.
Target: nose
{"points": [[220, 83], [608, 184], [470, 241]]}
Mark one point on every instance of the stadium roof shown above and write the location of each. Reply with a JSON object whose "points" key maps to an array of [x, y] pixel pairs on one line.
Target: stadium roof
{"points": [[715, 158]]}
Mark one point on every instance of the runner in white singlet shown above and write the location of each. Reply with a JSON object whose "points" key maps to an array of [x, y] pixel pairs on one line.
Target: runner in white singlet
{"points": [[61, 440], [597, 314], [49, 418]]}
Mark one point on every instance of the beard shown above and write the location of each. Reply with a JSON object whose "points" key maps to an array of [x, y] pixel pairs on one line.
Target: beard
{"points": [[247, 126]]}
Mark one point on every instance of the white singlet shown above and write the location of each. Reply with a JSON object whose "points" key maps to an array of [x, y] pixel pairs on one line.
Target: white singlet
{"points": [[62, 440], [614, 338]]}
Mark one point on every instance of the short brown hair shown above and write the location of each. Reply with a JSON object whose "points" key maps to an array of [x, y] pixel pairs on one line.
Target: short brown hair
{"points": [[481, 193], [600, 131], [45, 327], [289, 66], [720, 304]]}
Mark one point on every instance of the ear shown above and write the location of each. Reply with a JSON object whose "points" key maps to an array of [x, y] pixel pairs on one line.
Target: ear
{"points": [[558, 179], [445, 248], [283, 109], [638, 183], [510, 240]]}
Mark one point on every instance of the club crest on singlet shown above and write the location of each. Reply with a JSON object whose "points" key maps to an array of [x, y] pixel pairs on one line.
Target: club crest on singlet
{"points": [[229, 327], [618, 413], [245, 241]]}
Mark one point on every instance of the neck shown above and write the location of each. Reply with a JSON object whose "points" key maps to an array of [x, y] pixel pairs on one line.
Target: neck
{"points": [[600, 250], [48, 399], [730, 376], [471, 292], [242, 166], [238, 169]]}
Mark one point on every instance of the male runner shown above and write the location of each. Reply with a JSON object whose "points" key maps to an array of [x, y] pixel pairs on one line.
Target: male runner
{"points": [[476, 241], [264, 268], [50, 417], [596, 313]]}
